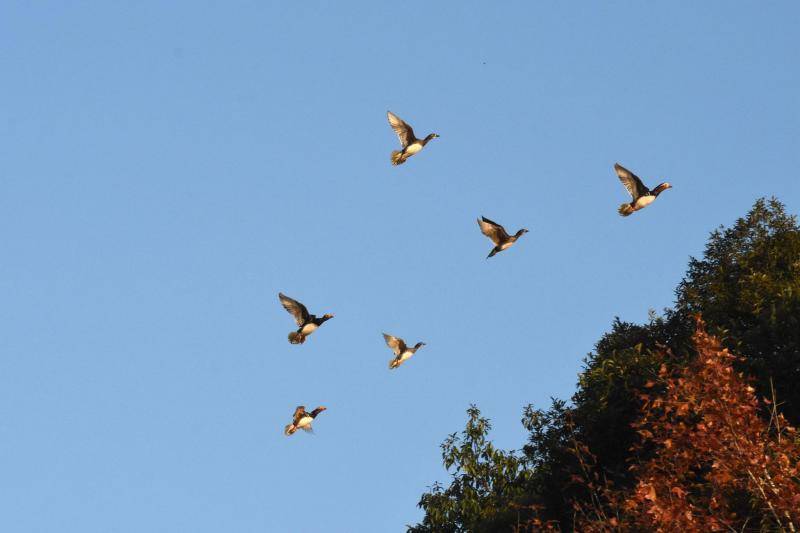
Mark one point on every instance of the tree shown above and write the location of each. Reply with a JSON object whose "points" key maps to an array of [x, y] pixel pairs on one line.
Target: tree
{"points": [[484, 482], [712, 461], [746, 286]]}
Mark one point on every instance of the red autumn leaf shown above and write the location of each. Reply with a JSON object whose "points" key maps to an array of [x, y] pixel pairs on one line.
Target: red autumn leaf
{"points": [[677, 491], [707, 447]]}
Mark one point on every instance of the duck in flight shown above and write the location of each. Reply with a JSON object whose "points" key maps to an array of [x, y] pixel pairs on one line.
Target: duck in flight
{"points": [[500, 237], [302, 419], [401, 351], [306, 323], [642, 196], [411, 145]]}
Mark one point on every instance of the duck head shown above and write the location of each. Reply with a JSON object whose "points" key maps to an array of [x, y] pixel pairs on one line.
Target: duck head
{"points": [[419, 345], [318, 410], [520, 233], [431, 136], [661, 188], [321, 320]]}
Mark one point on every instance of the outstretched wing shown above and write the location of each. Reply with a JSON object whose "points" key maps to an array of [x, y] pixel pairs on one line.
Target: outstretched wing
{"points": [[631, 181], [299, 413], [493, 230], [397, 345], [403, 130], [295, 308]]}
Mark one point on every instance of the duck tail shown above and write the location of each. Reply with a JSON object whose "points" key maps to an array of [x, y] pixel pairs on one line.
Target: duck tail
{"points": [[625, 210], [296, 337], [491, 254], [397, 157], [289, 430], [394, 363]]}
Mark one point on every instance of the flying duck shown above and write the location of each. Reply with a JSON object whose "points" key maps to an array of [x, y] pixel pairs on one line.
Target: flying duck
{"points": [[642, 196], [411, 145], [306, 323], [501, 239], [302, 419], [401, 351]]}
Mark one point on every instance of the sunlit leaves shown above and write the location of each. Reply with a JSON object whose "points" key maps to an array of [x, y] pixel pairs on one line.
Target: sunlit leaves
{"points": [[708, 459]]}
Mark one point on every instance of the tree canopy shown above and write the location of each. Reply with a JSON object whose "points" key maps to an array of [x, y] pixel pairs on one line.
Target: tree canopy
{"points": [[747, 289]]}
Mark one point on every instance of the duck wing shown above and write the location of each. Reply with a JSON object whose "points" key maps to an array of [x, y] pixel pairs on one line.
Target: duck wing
{"points": [[493, 230], [295, 308], [631, 182], [403, 130], [299, 413], [397, 345]]}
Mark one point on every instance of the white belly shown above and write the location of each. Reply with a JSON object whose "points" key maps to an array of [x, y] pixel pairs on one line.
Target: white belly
{"points": [[644, 201], [308, 329], [405, 355], [303, 422], [413, 148], [506, 245]]}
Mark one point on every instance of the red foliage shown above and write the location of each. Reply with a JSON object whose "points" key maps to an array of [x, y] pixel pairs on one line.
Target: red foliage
{"points": [[708, 459]]}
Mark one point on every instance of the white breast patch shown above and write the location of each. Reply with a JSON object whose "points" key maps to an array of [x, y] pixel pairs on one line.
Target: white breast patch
{"points": [[413, 148], [644, 201]]}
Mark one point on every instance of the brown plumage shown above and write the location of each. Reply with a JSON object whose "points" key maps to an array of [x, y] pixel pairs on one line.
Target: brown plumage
{"points": [[306, 322], [640, 194], [498, 234], [401, 351], [410, 144], [302, 419]]}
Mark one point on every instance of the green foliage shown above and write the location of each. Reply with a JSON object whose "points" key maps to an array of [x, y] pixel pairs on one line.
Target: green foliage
{"points": [[607, 399], [604, 406], [484, 482], [747, 288], [547, 451]]}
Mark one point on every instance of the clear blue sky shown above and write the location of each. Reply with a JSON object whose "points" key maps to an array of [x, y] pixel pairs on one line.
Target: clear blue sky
{"points": [[165, 171]]}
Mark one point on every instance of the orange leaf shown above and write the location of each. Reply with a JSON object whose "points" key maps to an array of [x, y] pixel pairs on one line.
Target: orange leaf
{"points": [[679, 492]]}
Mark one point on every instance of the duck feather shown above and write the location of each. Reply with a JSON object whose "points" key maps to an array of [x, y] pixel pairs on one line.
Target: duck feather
{"points": [[295, 308], [404, 132]]}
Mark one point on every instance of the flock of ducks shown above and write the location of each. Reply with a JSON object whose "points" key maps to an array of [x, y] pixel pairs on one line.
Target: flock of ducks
{"points": [[641, 197]]}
